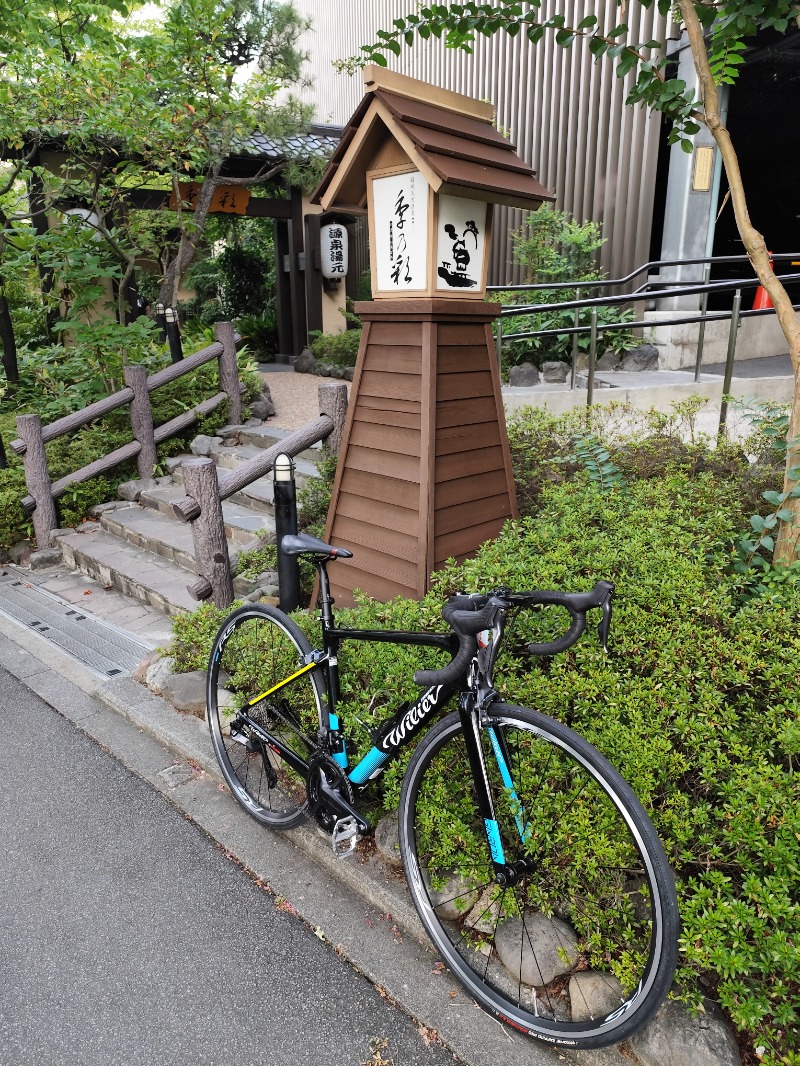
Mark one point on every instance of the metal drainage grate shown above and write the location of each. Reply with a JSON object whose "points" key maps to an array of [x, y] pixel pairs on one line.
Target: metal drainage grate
{"points": [[101, 647]]}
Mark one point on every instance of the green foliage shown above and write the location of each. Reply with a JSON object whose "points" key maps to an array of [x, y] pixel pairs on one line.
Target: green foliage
{"points": [[255, 561], [596, 460], [551, 245], [193, 634], [338, 348]]}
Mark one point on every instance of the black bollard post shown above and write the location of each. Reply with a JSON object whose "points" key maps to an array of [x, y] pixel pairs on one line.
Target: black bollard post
{"points": [[174, 335], [286, 523]]}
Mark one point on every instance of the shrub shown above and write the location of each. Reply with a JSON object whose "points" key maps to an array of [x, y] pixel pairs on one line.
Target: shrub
{"points": [[340, 349]]}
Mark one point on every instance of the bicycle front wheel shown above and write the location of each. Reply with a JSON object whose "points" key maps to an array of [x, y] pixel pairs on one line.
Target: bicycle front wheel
{"points": [[580, 948], [263, 731]]}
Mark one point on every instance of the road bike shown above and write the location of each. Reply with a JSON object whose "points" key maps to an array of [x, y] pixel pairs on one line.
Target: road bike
{"points": [[535, 870]]}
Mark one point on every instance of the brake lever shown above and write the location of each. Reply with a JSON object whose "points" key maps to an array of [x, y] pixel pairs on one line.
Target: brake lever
{"points": [[605, 622]]}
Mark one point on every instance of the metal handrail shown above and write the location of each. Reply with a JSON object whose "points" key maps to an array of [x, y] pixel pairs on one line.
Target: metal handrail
{"points": [[656, 263]]}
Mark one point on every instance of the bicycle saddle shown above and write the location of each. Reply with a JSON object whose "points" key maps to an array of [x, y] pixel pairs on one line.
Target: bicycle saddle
{"points": [[303, 544]]}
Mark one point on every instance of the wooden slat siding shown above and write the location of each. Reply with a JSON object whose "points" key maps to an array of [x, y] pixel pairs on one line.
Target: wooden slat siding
{"points": [[385, 438], [464, 542], [464, 464], [403, 386], [465, 515], [501, 419], [447, 442], [427, 460], [464, 412], [355, 532], [389, 403], [346, 577], [383, 464], [463, 386], [465, 359], [397, 519], [388, 333], [386, 566], [388, 418], [476, 487], [397, 358], [458, 334], [385, 490]]}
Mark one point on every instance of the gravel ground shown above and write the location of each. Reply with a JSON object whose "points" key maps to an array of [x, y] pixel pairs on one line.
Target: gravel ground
{"points": [[295, 397]]}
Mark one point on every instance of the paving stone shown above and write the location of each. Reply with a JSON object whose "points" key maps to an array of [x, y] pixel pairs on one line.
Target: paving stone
{"points": [[44, 557]]}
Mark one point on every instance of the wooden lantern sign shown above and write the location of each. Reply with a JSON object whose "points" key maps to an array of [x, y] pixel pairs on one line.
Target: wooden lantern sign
{"points": [[424, 470]]}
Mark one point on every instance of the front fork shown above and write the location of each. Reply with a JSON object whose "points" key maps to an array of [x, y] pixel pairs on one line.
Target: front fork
{"points": [[473, 723]]}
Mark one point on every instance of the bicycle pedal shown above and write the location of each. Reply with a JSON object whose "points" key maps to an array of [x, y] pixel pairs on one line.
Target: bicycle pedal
{"points": [[344, 837]]}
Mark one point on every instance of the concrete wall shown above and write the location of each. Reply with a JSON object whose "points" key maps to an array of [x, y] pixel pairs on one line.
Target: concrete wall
{"points": [[757, 338]]}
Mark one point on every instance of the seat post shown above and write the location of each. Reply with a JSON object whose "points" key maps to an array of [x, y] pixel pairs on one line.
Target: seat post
{"points": [[325, 601]]}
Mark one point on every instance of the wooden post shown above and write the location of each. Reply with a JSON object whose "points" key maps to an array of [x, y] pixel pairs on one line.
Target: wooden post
{"points": [[37, 478], [208, 534], [229, 369], [333, 403], [141, 419]]}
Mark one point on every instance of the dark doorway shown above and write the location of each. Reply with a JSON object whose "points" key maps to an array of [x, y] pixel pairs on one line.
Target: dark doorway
{"points": [[762, 119]]}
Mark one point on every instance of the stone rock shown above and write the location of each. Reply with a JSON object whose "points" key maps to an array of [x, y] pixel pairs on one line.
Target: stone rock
{"points": [[337, 372], [549, 947], [555, 372], [174, 462], [44, 557], [387, 839], [594, 995], [523, 375], [454, 899], [484, 914], [55, 534], [227, 432], [681, 1038], [266, 393], [140, 673], [324, 370], [305, 362], [607, 361], [252, 422], [645, 357], [348, 372], [262, 409], [101, 508], [582, 382], [132, 490], [201, 445], [187, 692], [158, 673], [20, 553]]}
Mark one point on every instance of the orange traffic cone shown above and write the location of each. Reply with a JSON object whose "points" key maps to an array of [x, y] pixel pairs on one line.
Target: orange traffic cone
{"points": [[762, 301]]}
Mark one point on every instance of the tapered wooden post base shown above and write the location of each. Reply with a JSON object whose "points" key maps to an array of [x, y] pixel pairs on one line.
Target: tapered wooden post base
{"points": [[424, 468]]}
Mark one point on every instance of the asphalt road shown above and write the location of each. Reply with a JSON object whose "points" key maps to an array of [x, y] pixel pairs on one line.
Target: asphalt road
{"points": [[128, 937]]}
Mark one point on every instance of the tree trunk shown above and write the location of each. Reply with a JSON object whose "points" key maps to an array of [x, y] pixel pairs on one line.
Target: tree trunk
{"points": [[9, 342], [756, 248], [191, 236]]}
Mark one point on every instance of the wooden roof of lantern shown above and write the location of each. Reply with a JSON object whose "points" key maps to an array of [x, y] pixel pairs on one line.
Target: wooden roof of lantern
{"points": [[448, 137]]}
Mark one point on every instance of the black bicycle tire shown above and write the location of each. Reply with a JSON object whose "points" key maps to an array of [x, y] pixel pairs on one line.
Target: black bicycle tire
{"points": [[269, 615], [656, 980]]}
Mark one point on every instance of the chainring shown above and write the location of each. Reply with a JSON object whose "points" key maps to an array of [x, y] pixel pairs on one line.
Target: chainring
{"points": [[320, 764]]}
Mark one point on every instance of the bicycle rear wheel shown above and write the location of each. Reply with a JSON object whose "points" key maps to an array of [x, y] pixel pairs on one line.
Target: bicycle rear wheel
{"points": [[262, 739], [581, 950]]}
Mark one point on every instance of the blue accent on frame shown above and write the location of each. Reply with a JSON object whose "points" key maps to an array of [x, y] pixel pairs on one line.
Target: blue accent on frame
{"points": [[495, 844], [507, 782], [372, 761], [339, 757]]}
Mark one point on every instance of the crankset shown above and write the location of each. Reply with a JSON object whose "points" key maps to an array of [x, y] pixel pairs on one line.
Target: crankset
{"points": [[326, 780]]}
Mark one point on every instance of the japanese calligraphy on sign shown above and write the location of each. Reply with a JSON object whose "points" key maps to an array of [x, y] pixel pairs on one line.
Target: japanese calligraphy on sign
{"points": [[401, 231], [226, 199], [333, 251], [460, 243]]}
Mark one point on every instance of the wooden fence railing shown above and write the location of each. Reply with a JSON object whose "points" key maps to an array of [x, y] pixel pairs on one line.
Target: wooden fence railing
{"points": [[206, 488], [33, 435]]}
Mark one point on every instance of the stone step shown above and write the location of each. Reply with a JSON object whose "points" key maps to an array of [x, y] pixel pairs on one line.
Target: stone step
{"points": [[165, 537], [230, 458], [266, 436], [242, 522], [140, 573]]}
